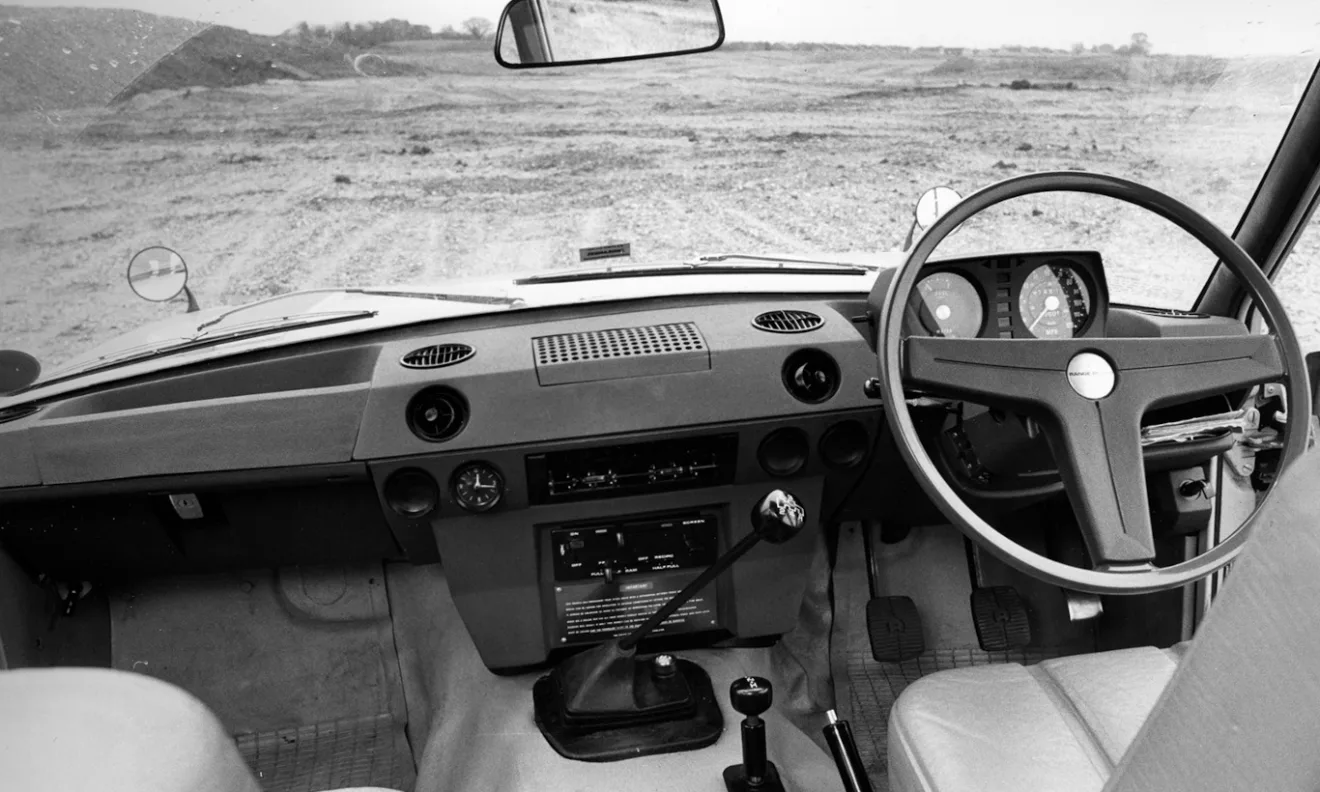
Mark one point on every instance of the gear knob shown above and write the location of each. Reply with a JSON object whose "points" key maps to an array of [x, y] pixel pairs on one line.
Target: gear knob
{"points": [[778, 517], [751, 695]]}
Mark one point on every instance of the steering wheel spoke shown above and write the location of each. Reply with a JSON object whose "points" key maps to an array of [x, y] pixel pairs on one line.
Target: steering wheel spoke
{"points": [[1097, 445], [989, 371], [1158, 371]]}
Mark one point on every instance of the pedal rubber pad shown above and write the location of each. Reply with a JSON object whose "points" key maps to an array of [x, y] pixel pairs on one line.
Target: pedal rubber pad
{"points": [[895, 629], [1001, 620]]}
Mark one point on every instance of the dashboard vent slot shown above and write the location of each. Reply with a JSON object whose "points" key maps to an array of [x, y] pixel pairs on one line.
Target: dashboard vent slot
{"points": [[437, 414], [437, 356], [788, 322], [620, 353]]}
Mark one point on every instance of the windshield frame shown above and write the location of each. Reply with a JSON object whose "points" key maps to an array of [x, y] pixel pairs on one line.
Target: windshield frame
{"points": [[1279, 209]]}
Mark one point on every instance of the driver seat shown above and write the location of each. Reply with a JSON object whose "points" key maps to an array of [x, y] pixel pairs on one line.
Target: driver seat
{"points": [[1234, 710]]}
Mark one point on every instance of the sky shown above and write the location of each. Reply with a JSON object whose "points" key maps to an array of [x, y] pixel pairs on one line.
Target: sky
{"points": [[1219, 27]]}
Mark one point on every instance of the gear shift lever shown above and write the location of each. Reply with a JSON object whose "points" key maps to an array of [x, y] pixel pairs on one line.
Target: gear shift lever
{"points": [[603, 704], [752, 696]]}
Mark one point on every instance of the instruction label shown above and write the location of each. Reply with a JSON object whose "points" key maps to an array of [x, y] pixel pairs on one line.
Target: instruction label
{"points": [[595, 611]]}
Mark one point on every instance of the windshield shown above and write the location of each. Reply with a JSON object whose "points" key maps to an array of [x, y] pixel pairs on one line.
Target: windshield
{"points": [[286, 146]]}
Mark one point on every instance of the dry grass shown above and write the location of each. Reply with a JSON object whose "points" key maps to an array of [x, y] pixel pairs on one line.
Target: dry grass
{"points": [[474, 170]]}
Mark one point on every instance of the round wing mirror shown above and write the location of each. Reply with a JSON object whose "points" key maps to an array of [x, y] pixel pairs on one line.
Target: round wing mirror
{"points": [[17, 370], [159, 274], [933, 203]]}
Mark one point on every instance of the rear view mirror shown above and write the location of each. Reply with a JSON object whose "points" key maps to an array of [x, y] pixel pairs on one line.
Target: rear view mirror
{"points": [[540, 33], [159, 274]]}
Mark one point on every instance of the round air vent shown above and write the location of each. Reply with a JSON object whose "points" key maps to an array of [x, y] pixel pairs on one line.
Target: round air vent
{"points": [[784, 451], [811, 376], [437, 356], [787, 322], [411, 492], [437, 414]]}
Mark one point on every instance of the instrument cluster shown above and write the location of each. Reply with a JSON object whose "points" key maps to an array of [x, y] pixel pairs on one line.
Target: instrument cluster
{"points": [[1039, 295]]}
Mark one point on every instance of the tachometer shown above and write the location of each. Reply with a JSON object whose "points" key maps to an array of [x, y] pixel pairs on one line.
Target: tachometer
{"points": [[947, 304], [1054, 302]]}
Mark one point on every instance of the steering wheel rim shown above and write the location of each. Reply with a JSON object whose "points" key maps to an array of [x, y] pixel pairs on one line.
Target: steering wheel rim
{"points": [[891, 348]]}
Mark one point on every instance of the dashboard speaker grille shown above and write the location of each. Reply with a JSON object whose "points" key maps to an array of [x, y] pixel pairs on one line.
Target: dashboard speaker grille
{"points": [[437, 356], [787, 322], [620, 352]]}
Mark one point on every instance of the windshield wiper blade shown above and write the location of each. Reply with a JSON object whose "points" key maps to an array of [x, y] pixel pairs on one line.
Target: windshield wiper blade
{"points": [[703, 266], [708, 258], [478, 299]]}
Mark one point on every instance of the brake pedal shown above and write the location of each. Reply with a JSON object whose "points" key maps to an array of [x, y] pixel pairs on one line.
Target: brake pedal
{"points": [[894, 626], [1001, 619]]}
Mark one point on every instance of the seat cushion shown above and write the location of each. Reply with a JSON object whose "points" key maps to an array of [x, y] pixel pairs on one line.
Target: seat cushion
{"points": [[113, 731], [1060, 725]]}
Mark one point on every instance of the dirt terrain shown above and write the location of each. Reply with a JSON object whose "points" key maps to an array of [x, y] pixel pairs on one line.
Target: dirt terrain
{"points": [[465, 169]]}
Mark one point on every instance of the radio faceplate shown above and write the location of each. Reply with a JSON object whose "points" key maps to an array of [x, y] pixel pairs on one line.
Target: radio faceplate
{"points": [[634, 469], [627, 548]]}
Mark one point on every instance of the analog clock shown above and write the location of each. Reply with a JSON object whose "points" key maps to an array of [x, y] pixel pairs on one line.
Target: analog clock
{"points": [[477, 487]]}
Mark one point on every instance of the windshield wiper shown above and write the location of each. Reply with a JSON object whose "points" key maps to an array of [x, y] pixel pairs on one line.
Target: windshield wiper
{"points": [[731, 264], [708, 258], [478, 299], [249, 330]]}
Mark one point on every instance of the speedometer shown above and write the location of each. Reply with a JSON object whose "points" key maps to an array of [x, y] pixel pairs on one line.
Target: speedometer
{"points": [[1054, 302], [947, 304]]}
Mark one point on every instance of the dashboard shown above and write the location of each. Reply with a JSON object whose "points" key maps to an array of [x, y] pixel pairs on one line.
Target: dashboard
{"points": [[568, 465]]}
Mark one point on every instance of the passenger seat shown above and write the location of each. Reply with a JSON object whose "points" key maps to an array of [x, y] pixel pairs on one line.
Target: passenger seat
{"points": [[113, 731]]}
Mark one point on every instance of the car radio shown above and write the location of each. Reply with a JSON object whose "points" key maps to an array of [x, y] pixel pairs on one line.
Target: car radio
{"points": [[634, 469]]}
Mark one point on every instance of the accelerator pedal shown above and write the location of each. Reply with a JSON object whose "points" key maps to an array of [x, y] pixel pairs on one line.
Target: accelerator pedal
{"points": [[894, 625], [1001, 619]]}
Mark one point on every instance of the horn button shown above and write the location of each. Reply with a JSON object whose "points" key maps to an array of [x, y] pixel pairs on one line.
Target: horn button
{"points": [[1091, 376]]}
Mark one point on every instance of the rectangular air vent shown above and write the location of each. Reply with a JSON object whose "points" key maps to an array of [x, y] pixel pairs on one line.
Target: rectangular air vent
{"points": [[620, 353]]}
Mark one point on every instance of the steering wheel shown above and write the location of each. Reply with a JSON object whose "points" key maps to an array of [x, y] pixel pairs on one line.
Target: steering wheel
{"points": [[1089, 395]]}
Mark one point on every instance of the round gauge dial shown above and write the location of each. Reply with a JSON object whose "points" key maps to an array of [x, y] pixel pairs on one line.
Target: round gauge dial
{"points": [[477, 487], [947, 304], [1054, 302]]}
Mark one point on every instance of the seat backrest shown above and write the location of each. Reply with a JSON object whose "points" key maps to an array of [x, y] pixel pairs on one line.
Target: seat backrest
{"points": [[1242, 712], [111, 731]]}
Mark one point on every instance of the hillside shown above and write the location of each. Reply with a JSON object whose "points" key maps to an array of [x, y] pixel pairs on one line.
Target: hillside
{"points": [[52, 58], [65, 57]]}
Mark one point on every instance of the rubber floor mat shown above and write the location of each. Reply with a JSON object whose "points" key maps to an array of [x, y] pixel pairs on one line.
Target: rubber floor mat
{"points": [[875, 686], [362, 752]]}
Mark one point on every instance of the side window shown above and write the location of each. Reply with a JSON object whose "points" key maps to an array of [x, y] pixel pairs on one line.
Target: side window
{"points": [[1298, 284]]}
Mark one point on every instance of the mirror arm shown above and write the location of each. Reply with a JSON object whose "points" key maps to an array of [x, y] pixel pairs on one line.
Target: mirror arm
{"points": [[912, 230], [193, 307], [527, 19]]}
